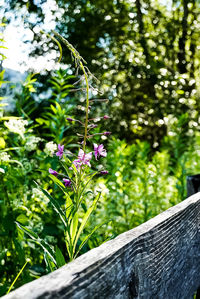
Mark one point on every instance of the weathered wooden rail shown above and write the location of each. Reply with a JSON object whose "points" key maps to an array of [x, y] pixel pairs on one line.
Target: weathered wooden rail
{"points": [[158, 259]]}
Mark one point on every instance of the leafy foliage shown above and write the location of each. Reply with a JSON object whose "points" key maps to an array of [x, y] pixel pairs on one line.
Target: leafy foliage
{"points": [[149, 55]]}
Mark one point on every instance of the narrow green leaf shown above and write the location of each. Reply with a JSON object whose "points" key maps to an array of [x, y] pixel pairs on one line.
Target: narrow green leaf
{"points": [[85, 220], [55, 205], [60, 260], [84, 187], [85, 240], [47, 249], [58, 183], [62, 187], [74, 226], [65, 168], [49, 263], [38, 241], [31, 234]]}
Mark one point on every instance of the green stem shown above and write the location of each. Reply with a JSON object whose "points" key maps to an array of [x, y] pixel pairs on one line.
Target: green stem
{"points": [[80, 61], [87, 104], [17, 277]]}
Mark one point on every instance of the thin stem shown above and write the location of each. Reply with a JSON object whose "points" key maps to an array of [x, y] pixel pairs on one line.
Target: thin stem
{"points": [[17, 277], [87, 104], [79, 61]]}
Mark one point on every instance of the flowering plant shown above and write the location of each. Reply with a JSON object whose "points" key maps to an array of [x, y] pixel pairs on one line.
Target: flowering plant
{"points": [[73, 181]]}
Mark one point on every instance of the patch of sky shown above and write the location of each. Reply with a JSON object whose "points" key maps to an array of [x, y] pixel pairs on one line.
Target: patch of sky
{"points": [[19, 38]]}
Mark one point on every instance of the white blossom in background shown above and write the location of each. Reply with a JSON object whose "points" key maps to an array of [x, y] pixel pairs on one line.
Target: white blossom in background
{"points": [[39, 198], [2, 170], [50, 148], [36, 193], [17, 126], [4, 157], [31, 143], [101, 187]]}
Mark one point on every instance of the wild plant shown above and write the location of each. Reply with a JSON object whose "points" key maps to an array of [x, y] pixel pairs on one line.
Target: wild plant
{"points": [[7, 209], [75, 177], [55, 108], [178, 144], [139, 187]]}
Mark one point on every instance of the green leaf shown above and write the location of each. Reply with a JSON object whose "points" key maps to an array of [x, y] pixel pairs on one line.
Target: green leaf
{"points": [[65, 168], [60, 260], [86, 184], [55, 205], [19, 248], [74, 226], [31, 234], [22, 219], [85, 220], [49, 263], [62, 187], [47, 249], [85, 240], [58, 183], [38, 241]]}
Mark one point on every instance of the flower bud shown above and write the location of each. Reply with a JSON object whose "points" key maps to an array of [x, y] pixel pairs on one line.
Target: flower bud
{"points": [[106, 133], [104, 172], [69, 119], [92, 126], [67, 182], [53, 172]]}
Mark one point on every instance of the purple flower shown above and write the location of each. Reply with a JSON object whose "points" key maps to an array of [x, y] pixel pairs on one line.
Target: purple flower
{"points": [[104, 172], [99, 151], [69, 119], [92, 126], [67, 182], [60, 151], [83, 159], [51, 171], [106, 117], [76, 163], [106, 133]]}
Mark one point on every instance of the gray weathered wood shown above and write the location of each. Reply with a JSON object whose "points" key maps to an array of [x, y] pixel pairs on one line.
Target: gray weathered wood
{"points": [[158, 259]]}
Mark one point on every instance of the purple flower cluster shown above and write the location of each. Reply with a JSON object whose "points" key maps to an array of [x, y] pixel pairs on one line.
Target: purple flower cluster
{"points": [[82, 159]]}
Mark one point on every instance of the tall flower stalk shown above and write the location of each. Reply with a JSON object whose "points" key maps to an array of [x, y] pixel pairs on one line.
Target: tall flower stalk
{"points": [[73, 182], [79, 61]]}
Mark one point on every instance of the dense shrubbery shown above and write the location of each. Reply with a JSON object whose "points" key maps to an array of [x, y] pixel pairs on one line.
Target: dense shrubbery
{"points": [[140, 185]]}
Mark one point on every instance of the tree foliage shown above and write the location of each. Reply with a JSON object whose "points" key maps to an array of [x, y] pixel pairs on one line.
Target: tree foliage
{"points": [[146, 53]]}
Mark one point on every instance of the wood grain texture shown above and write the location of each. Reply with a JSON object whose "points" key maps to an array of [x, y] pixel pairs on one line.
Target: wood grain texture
{"points": [[158, 259]]}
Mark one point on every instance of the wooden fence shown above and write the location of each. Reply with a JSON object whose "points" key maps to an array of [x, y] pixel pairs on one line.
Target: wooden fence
{"points": [[158, 259]]}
